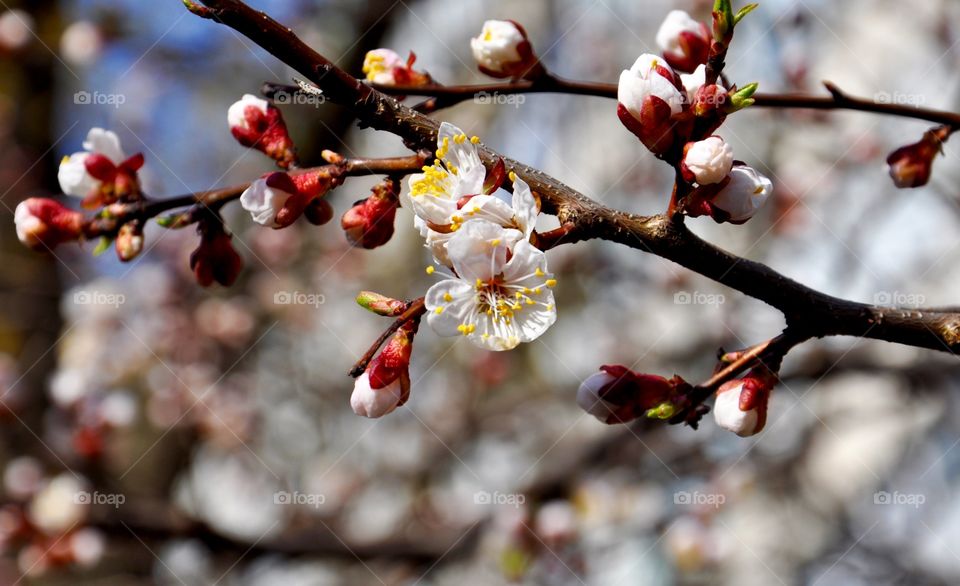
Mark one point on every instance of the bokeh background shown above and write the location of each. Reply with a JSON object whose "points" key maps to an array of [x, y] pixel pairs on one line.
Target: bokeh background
{"points": [[208, 433]]}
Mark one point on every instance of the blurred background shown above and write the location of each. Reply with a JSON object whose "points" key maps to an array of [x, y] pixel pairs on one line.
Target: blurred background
{"points": [[153, 432]]}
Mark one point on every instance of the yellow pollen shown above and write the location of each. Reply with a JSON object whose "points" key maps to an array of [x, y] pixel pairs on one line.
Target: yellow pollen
{"points": [[65, 159], [475, 139], [530, 301], [537, 291], [430, 270], [517, 307], [551, 283], [519, 295], [513, 176], [479, 283], [466, 329], [495, 242], [447, 297], [758, 190], [438, 310], [538, 272]]}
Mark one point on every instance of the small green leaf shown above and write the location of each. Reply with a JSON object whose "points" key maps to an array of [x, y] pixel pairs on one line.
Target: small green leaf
{"points": [[662, 411], [742, 98], [102, 246], [743, 12]]}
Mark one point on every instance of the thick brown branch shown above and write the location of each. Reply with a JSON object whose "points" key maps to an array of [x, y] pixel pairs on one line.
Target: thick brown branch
{"points": [[809, 312]]}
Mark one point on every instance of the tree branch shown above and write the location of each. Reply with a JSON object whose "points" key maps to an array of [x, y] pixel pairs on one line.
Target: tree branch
{"points": [[809, 312]]}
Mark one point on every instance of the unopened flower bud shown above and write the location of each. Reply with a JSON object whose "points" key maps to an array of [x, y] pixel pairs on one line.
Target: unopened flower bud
{"points": [[129, 242], [215, 260], [258, 124], [102, 174], [648, 96], [684, 41], [318, 212], [369, 223], [385, 67], [735, 199], [619, 395], [502, 50], [911, 166], [385, 385], [741, 404], [381, 304], [43, 223], [707, 161]]}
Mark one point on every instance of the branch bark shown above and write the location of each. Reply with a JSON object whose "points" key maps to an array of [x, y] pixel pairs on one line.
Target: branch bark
{"points": [[808, 312]]}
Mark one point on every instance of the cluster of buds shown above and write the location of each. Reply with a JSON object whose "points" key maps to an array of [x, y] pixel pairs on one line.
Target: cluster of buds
{"points": [[734, 199], [258, 124], [44, 223], [369, 223], [617, 394], [386, 67], [215, 259], [278, 199], [741, 404], [102, 173], [910, 166], [503, 51], [385, 384]]}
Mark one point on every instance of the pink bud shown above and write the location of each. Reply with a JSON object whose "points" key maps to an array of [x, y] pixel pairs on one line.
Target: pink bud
{"points": [[43, 223], [258, 124], [503, 51], [215, 259], [911, 166], [369, 223], [129, 241], [684, 41], [741, 404], [619, 395]]}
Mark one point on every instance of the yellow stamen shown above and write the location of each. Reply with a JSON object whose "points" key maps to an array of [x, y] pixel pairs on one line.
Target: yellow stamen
{"points": [[430, 270]]}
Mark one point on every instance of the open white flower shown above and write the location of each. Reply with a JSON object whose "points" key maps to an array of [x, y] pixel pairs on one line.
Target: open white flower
{"points": [[451, 192], [497, 49], [746, 193], [264, 199], [709, 160], [379, 66], [74, 178], [727, 413], [495, 299], [646, 79], [367, 401]]}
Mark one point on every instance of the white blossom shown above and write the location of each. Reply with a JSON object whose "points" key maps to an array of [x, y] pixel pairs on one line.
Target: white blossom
{"points": [[264, 202], [379, 66], [73, 175], [676, 22], [710, 160], [643, 80], [498, 46], [744, 195], [494, 301]]}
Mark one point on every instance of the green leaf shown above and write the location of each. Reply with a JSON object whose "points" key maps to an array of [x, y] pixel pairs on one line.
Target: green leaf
{"points": [[743, 12], [102, 246], [742, 98]]}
